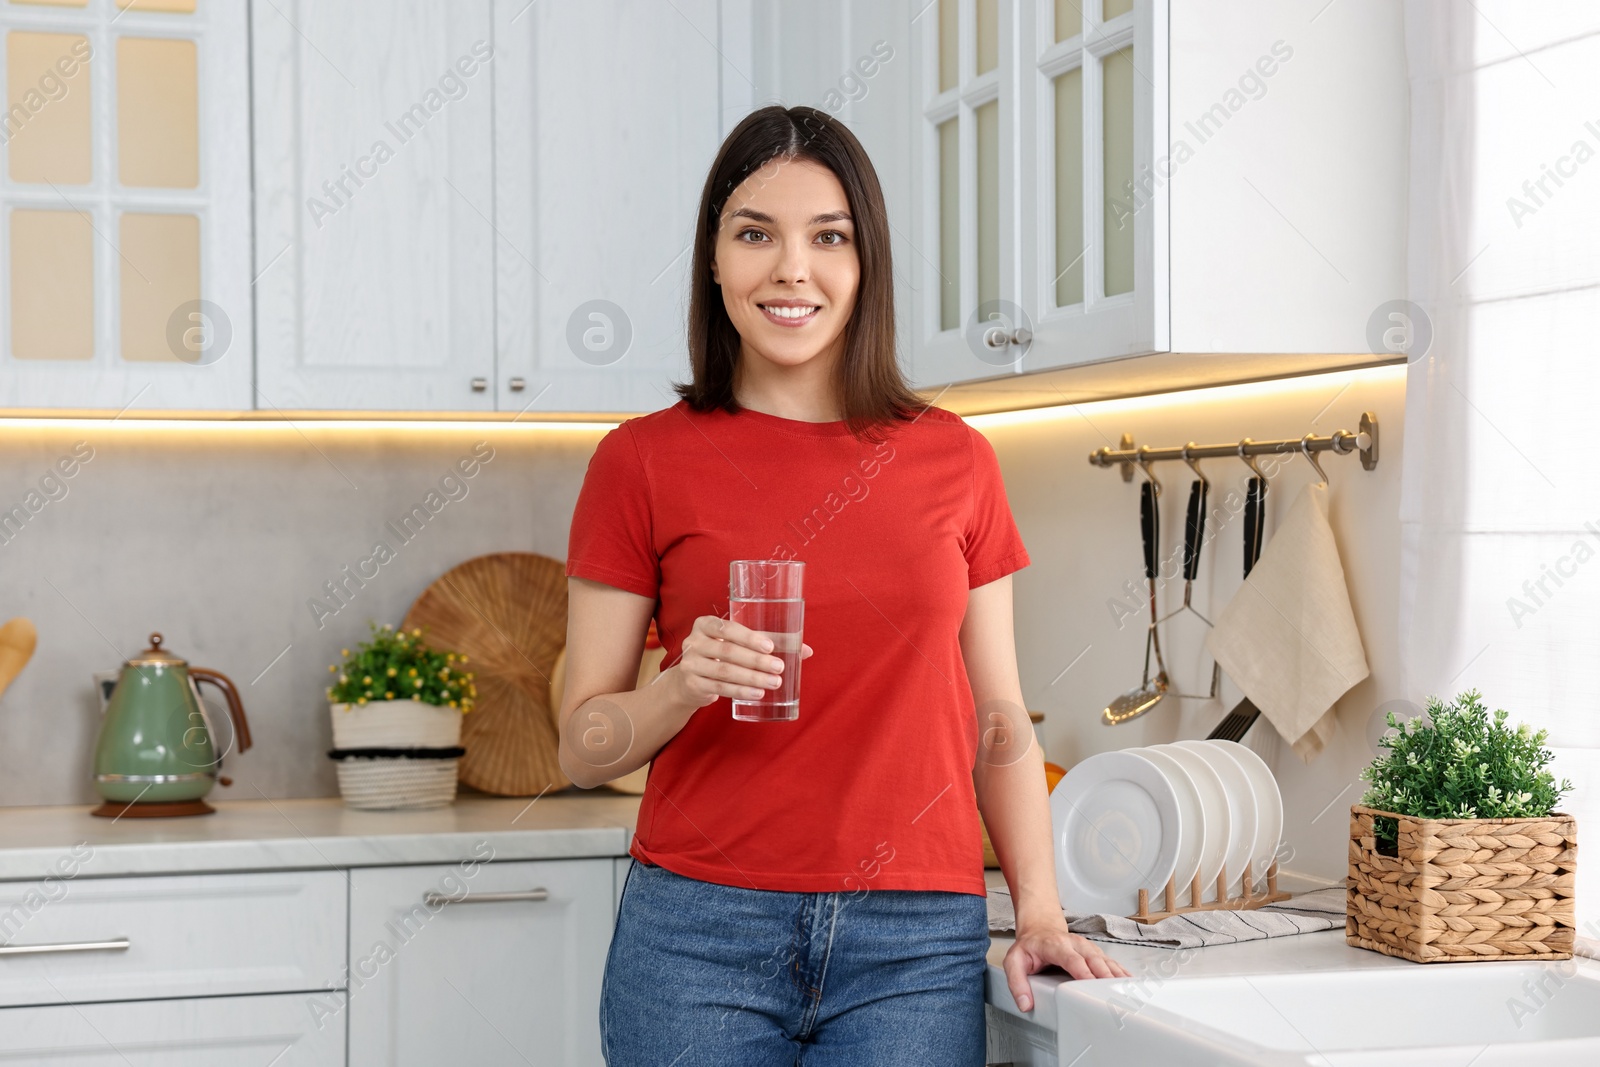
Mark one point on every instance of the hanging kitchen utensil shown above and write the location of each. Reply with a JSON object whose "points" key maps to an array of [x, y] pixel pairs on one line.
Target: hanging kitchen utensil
{"points": [[1237, 723], [1148, 693], [1194, 535]]}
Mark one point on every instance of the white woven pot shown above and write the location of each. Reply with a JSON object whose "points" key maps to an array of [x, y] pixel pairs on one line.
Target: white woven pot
{"points": [[383, 783], [395, 724]]}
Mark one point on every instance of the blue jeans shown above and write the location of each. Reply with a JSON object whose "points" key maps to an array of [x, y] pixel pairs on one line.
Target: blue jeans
{"points": [[706, 975]]}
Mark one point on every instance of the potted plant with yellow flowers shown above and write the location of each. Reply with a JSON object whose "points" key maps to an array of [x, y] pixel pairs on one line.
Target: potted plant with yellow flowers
{"points": [[396, 705]]}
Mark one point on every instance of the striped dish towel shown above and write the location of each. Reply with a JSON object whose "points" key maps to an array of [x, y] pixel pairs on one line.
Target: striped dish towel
{"points": [[1319, 909]]}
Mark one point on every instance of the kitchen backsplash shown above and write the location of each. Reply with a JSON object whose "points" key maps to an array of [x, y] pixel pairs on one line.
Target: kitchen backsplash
{"points": [[262, 550], [1080, 632], [257, 550]]}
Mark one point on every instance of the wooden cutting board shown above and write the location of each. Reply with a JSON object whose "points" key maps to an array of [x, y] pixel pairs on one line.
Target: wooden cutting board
{"points": [[507, 612], [18, 639]]}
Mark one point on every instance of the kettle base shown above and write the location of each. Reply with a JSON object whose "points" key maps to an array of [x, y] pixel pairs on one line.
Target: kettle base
{"points": [[134, 809]]}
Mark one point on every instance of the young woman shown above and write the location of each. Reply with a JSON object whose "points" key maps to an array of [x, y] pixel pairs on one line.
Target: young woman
{"points": [[807, 891]]}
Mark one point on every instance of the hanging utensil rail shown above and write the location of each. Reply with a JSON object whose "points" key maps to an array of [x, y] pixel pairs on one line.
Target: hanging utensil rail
{"points": [[1340, 442]]}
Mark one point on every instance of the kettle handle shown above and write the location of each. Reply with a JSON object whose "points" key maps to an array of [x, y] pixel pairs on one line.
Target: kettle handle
{"points": [[241, 726]]}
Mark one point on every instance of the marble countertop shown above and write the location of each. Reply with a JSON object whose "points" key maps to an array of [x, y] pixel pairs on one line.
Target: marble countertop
{"points": [[320, 832]]}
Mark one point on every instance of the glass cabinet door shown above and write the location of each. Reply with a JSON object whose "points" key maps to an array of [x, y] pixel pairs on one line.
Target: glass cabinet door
{"points": [[1096, 273], [1042, 208], [124, 206], [964, 257]]}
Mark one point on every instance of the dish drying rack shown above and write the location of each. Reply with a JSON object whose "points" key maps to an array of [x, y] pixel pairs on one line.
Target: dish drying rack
{"points": [[1248, 900]]}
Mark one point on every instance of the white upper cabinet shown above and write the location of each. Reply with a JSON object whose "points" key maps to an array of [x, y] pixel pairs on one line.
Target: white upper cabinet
{"points": [[1092, 93], [485, 206], [607, 120], [375, 205], [478, 205], [1119, 178], [1285, 164], [125, 207]]}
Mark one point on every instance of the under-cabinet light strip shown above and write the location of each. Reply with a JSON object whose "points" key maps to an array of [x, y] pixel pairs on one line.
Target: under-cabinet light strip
{"points": [[236, 425]]}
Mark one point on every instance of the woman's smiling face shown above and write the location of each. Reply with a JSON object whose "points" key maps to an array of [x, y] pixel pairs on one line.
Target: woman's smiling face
{"points": [[786, 261]]}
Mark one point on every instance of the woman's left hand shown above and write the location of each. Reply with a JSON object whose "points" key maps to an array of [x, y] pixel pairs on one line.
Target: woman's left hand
{"points": [[1037, 948]]}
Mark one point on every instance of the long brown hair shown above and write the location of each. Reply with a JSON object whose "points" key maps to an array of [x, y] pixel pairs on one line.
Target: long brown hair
{"points": [[868, 385]]}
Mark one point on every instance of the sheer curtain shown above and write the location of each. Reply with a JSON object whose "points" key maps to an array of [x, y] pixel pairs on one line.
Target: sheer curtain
{"points": [[1500, 507]]}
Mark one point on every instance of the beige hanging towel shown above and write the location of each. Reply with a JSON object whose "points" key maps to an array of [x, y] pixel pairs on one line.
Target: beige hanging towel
{"points": [[1288, 639]]}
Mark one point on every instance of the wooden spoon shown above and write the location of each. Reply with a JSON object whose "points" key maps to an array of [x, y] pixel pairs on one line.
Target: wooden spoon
{"points": [[17, 641]]}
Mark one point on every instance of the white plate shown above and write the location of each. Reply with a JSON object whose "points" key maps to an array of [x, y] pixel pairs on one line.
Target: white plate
{"points": [[1269, 807], [1241, 809], [1192, 840], [1214, 805], [1116, 825]]}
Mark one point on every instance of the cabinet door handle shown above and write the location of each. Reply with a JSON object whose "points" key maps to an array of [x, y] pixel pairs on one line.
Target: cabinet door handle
{"points": [[480, 384], [117, 945], [439, 900], [518, 384]]}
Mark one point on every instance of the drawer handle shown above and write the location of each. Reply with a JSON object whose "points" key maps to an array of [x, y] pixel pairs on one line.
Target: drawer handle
{"points": [[439, 900], [118, 945]]}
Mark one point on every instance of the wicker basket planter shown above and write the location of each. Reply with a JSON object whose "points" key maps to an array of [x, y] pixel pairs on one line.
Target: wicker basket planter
{"points": [[1463, 889], [391, 782], [394, 724], [396, 754]]}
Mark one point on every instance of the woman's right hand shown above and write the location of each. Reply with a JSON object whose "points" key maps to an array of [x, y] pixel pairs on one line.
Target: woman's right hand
{"points": [[722, 658]]}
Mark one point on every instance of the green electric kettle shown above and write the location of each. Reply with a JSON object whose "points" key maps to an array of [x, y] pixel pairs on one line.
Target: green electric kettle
{"points": [[155, 756]]}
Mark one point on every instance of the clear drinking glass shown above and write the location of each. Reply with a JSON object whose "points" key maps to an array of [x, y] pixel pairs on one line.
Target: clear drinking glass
{"points": [[765, 595]]}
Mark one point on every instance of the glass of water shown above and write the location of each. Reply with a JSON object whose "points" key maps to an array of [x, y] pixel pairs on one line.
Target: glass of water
{"points": [[765, 595]]}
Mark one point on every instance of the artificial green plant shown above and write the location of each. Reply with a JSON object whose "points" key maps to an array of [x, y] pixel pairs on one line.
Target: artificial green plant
{"points": [[1458, 764], [396, 665]]}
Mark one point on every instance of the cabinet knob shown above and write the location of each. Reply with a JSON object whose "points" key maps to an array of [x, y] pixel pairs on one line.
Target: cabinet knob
{"points": [[480, 384], [518, 384], [997, 337]]}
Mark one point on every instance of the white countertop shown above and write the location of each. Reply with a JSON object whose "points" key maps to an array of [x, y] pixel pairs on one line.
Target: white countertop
{"points": [[1324, 950], [1320, 951], [320, 832]]}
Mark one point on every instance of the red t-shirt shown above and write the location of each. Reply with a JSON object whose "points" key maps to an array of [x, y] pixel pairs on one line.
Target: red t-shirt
{"points": [[871, 787]]}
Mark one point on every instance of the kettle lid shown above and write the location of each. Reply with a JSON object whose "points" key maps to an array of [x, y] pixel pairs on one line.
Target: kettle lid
{"points": [[156, 656]]}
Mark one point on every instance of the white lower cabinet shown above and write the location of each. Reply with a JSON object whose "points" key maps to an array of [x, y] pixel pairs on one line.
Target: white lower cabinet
{"points": [[185, 935], [480, 963], [1018, 1042], [473, 963], [245, 1031]]}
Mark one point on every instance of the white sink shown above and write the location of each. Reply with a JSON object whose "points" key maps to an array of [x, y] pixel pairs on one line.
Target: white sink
{"points": [[1497, 1014]]}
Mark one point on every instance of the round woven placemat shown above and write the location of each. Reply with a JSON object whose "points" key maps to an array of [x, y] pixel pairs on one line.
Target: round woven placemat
{"points": [[507, 612]]}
